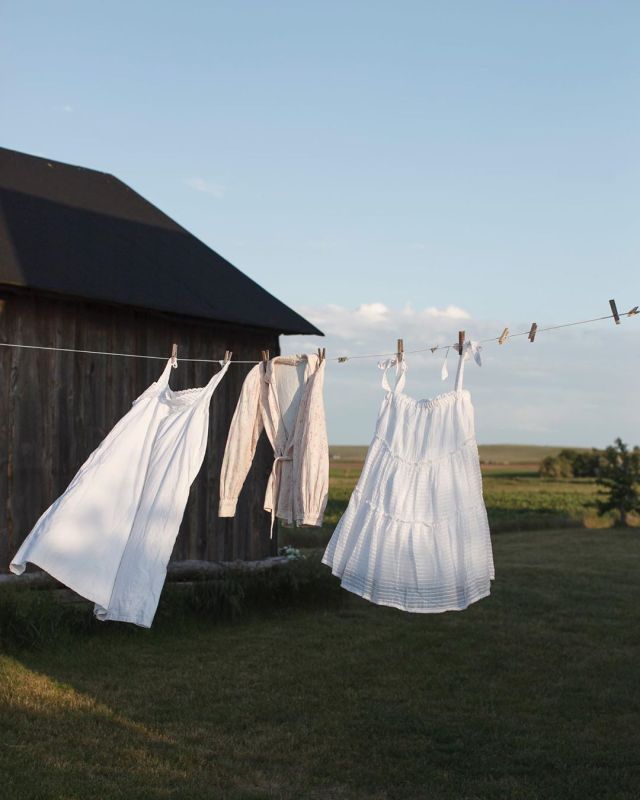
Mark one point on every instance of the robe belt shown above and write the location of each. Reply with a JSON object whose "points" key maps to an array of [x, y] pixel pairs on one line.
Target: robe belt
{"points": [[274, 481]]}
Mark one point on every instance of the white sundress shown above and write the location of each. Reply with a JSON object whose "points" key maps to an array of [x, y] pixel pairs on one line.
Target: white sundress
{"points": [[109, 537], [415, 534]]}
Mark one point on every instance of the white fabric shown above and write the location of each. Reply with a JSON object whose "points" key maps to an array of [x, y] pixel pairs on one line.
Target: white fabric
{"points": [[415, 534], [285, 398], [110, 535]]}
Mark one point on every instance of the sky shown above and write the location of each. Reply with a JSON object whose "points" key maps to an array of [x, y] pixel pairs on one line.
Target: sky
{"points": [[389, 170]]}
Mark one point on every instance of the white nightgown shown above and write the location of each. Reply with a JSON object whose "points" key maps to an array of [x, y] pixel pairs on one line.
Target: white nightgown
{"points": [[415, 534], [109, 537]]}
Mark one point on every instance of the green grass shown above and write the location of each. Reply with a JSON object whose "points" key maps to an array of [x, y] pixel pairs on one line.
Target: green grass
{"points": [[530, 694]]}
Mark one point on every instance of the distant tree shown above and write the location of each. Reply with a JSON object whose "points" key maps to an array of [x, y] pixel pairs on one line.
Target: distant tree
{"points": [[569, 463], [556, 467], [619, 474], [587, 464], [569, 454]]}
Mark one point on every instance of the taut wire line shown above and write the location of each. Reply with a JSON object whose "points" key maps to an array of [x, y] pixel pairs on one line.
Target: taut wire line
{"points": [[340, 359]]}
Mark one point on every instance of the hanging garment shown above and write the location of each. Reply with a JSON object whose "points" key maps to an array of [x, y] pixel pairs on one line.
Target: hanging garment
{"points": [[415, 534], [285, 397], [110, 535]]}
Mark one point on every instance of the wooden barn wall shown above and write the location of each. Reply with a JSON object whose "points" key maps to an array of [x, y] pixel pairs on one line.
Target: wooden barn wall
{"points": [[55, 408]]}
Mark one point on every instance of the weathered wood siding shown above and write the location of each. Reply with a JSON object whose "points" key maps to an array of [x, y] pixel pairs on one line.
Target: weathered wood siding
{"points": [[55, 408]]}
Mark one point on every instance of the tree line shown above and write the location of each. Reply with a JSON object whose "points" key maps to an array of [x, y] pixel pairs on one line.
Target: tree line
{"points": [[616, 470]]}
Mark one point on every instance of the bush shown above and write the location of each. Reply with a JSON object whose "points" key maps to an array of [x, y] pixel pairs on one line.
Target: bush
{"points": [[585, 464], [571, 464], [556, 467]]}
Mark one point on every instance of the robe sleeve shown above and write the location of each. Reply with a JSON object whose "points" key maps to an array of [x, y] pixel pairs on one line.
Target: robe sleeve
{"points": [[245, 430]]}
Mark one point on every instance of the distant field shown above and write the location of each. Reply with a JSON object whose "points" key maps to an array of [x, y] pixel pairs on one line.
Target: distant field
{"points": [[489, 453], [517, 499]]}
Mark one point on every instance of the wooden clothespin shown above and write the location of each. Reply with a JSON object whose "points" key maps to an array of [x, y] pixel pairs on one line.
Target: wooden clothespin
{"points": [[265, 356], [504, 336], [532, 332], [433, 349], [460, 342], [400, 350], [633, 311], [227, 356], [342, 359], [174, 354], [614, 311], [321, 353]]}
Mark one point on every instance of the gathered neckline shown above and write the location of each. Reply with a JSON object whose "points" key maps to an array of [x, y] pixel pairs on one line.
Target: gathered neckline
{"points": [[430, 402], [182, 397]]}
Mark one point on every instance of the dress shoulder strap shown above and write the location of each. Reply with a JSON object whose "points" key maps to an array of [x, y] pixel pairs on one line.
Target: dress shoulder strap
{"points": [[401, 368], [469, 348], [163, 380], [215, 379], [460, 370]]}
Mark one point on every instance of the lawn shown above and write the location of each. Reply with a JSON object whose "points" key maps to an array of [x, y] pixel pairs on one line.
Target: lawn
{"points": [[531, 693]]}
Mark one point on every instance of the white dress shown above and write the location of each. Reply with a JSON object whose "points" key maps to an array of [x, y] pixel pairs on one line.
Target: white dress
{"points": [[109, 537], [415, 534]]}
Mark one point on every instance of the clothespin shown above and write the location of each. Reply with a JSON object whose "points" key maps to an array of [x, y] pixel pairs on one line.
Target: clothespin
{"points": [[532, 332], [265, 356], [227, 356], [321, 353], [400, 350], [433, 349], [342, 359], [174, 355], [460, 341], [503, 336], [633, 311], [614, 311]]}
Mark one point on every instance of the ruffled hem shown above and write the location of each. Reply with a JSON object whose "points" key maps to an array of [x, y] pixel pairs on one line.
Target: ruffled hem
{"points": [[391, 596], [443, 566], [392, 519]]}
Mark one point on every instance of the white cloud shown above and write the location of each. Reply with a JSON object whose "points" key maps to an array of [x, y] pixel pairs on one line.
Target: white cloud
{"points": [[450, 312], [373, 313], [201, 185], [541, 393], [375, 324]]}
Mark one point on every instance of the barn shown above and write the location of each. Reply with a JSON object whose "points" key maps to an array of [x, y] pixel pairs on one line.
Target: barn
{"points": [[86, 263]]}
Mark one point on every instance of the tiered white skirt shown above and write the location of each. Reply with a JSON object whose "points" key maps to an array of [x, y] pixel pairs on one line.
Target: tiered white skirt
{"points": [[415, 535]]}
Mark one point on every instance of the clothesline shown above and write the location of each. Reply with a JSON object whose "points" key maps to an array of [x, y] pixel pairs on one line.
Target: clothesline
{"points": [[340, 359]]}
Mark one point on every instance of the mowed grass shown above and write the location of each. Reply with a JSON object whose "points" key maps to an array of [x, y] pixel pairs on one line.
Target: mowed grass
{"points": [[531, 693]]}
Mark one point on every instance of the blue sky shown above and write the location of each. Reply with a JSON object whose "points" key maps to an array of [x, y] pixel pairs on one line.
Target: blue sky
{"points": [[359, 155]]}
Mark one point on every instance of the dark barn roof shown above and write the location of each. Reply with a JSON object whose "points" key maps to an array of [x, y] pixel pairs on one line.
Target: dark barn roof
{"points": [[85, 234]]}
